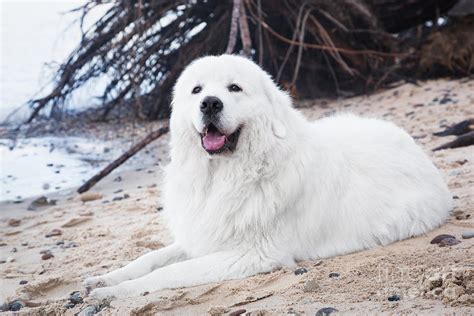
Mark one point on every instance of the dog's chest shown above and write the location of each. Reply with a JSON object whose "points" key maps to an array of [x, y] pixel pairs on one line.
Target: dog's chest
{"points": [[218, 210]]}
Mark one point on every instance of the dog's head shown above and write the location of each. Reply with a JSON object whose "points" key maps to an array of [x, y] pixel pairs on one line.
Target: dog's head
{"points": [[225, 101]]}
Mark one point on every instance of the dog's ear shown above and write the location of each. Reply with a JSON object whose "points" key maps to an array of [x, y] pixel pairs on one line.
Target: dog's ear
{"points": [[279, 101]]}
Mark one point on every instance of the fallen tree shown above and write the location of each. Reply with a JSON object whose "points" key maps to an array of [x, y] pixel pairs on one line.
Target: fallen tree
{"points": [[312, 48]]}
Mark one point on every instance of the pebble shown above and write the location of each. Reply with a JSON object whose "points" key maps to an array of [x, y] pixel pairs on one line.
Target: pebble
{"points": [[326, 311], [449, 242], [394, 298], [88, 311], [24, 244], [310, 286], [85, 213], [467, 235], [22, 282], [14, 250], [237, 312], [15, 306], [69, 305], [334, 275], [438, 238], [300, 271], [118, 179], [13, 222], [40, 202], [90, 196], [71, 244], [75, 297], [117, 198], [47, 256], [10, 259], [54, 232]]}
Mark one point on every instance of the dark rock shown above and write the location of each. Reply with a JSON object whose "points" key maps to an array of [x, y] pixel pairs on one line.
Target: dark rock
{"points": [[69, 305], [334, 275], [88, 311], [22, 282], [300, 271], [449, 242], [445, 100], [438, 238], [126, 196], [467, 235], [118, 179], [59, 243], [47, 256], [14, 249], [118, 191], [24, 244], [394, 298], [15, 306], [159, 208], [75, 297], [326, 311], [117, 198], [237, 312], [41, 202]]}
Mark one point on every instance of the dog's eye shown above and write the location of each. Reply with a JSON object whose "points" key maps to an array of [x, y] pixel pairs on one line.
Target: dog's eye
{"points": [[234, 88], [196, 89]]}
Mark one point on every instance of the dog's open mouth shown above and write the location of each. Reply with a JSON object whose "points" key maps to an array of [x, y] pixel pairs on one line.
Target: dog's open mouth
{"points": [[215, 142]]}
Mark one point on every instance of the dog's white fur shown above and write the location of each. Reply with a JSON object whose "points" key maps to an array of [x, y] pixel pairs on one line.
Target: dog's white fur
{"points": [[292, 190]]}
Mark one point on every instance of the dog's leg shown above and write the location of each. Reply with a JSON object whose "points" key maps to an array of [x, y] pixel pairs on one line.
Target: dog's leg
{"points": [[139, 267], [215, 267]]}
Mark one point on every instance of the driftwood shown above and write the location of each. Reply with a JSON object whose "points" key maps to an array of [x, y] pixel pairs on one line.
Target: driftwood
{"points": [[124, 157], [458, 129], [461, 141]]}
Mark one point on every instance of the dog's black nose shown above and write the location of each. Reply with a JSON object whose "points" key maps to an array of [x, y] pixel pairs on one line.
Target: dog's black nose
{"points": [[211, 105]]}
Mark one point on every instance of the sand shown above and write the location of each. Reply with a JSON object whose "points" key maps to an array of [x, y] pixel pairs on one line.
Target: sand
{"points": [[104, 234]]}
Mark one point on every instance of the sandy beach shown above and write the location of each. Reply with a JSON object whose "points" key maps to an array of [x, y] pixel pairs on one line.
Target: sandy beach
{"points": [[47, 252]]}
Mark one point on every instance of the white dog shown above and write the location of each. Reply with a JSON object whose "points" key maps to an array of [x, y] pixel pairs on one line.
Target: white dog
{"points": [[253, 186]]}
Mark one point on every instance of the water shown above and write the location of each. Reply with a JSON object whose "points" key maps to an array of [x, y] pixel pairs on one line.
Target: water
{"points": [[35, 37], [37, 166]]}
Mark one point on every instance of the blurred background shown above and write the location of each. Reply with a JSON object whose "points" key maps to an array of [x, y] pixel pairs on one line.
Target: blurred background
{"points": [[82, 80]]}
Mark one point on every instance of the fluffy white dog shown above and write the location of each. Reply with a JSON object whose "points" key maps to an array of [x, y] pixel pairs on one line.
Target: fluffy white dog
{"points": [[253, 186]]}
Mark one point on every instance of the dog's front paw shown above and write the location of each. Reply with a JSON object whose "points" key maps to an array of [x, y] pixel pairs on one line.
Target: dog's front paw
{"points": [[109, 294], [97, 282]]}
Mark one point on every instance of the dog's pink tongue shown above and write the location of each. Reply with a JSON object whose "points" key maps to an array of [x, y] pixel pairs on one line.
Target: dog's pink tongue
{"points": [[213, 141]]}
